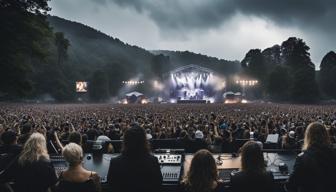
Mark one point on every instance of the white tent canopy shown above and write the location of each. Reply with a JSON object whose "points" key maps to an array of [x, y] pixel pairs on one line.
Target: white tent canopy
{"points": [[228, 93], [232, 93], [137, 94]]}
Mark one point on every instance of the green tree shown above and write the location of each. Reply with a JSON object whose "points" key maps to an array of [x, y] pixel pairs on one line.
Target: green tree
{"points": [[62, 45], [98, 87], [253, 64], [272, 57], [116, 73], [328, 74], [23, 34], [278, 83], [295, 55], [160, 64], [254, 68]]}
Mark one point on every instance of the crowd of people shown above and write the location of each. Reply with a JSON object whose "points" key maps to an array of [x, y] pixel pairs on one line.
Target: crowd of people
{"points": [[31, 132], [214, 126]]}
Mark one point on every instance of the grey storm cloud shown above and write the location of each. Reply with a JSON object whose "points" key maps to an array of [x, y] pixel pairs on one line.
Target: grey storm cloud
{"points": [[221, 28], [202, 14]]}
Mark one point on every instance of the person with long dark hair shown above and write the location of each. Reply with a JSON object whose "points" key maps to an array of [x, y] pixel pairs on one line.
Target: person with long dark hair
{"points": [[253, 175], [202, 175], [315, 168], [135, 169]]}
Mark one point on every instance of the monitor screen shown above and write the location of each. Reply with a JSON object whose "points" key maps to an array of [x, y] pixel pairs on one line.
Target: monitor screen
{"points": [[81, 87]]}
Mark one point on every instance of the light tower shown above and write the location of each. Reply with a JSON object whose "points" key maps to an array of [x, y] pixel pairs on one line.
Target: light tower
{"points": [[246, 83]]}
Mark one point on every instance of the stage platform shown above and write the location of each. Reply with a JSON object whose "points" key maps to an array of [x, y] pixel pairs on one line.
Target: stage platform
{"points": [[191, 101]]}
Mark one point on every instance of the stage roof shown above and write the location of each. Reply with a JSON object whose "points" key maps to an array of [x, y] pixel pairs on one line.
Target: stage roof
{"points": [[137, 94], [191, 66]]}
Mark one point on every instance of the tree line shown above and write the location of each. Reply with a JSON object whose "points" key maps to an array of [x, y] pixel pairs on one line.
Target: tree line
{"points": [[286, 73], [42, 55], [32, 55]]}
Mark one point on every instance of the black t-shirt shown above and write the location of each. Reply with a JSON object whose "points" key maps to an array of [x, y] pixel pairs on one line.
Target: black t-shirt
{"points": [[130, 174], [314, 171], [242, 181], [184, 188], [68, 186], [8, 159], [198, 144], [12, 149], [37, 176]]}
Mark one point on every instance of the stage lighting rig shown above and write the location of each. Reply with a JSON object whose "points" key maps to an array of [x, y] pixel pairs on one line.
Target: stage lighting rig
{"points": [[249, 83], [246, 83], [133, 82]]}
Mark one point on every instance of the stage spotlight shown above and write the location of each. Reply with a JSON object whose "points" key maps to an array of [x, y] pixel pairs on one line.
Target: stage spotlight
{"points": [[211, 100], [173, 101], [81, 86], [244, 83], [158, 86], [132, 82]]}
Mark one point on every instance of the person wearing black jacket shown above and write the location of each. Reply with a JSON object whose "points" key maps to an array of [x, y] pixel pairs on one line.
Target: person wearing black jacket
{"points": [[135, 169], [185, 141], [9, 153], [253, 175], [315, 168], [10, 146]]}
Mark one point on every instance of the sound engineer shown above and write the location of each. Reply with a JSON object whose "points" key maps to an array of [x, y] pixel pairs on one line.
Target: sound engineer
{"points": [[202, 175], [315, 168], [77, 178], [253, 175], [9, 139], [135, 169]]}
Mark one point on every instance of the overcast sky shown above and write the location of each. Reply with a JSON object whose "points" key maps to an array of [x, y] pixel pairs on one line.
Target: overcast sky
{"points": [[222, 28]]}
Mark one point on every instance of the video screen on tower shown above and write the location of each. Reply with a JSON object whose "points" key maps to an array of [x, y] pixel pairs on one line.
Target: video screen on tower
{"points": [[81, 87]]}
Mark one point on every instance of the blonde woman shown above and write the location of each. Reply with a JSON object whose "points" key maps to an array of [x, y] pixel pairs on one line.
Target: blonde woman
{"points": [[202, 175], [34, 171], [76, 178], [315, 168]]}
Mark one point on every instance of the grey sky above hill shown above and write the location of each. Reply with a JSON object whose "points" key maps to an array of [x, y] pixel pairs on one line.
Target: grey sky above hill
{"points": [[222, 28]]}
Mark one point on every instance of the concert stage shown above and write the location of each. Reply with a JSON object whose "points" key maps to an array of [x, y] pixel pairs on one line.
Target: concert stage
{"points": [[194, 84], [191, 101]]}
